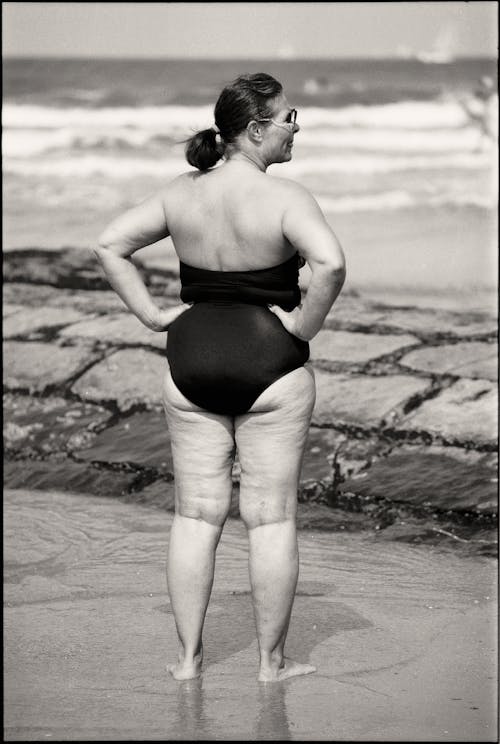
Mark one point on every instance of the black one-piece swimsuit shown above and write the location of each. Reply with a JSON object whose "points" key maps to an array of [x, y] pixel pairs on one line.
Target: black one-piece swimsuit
{"points": [[229, 347]]}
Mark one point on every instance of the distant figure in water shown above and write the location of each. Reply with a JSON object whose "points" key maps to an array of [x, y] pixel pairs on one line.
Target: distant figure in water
{"points": [[238, 377], [482, 110]]}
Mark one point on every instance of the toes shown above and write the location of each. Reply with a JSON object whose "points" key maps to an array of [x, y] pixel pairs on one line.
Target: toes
{"points": [[293, 669], [182, 673], [289, 669]]}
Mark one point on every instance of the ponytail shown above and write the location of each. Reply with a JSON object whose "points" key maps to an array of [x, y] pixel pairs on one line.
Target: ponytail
{"points": [[202, 150]]}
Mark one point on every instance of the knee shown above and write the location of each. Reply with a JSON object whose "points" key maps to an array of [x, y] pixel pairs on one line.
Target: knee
{"points": [[206, 501], [267, 506], [214, 515]]}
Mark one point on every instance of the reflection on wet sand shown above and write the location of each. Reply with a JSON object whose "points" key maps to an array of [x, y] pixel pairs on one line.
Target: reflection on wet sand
{"points": [[193, 721], [272, 720], [88, 635]]}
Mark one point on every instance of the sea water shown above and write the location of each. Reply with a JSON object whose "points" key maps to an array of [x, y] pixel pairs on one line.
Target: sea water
{"points": [[387, 147]]}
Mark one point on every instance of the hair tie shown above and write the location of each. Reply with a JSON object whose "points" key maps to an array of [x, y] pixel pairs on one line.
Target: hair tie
{"points": [[216, 129]]}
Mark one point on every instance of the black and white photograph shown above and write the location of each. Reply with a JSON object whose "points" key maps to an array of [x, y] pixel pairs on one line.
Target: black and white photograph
{"points": [[250, 371]]}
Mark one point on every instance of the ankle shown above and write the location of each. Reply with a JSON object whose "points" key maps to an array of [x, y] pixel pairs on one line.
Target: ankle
{"points": [[271, 659], [188, 655]]}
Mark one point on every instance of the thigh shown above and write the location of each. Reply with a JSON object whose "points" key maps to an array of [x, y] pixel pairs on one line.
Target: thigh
{"points": [[203, 453], [271, 439]]}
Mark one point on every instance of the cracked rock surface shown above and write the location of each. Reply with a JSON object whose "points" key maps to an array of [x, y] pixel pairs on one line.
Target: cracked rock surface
{"points": [[404, 431]]}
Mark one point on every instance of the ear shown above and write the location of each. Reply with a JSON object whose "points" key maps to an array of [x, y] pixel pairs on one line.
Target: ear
{"points": [[254, 129]]}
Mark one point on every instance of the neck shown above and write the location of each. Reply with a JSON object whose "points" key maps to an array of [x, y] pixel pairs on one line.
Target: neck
{"points": [[244, 157]]}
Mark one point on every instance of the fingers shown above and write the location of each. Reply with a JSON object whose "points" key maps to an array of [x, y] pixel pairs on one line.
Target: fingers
{"points": [[291, 321], [280, 314], [285, 318], [169, 314], [276, 310]]}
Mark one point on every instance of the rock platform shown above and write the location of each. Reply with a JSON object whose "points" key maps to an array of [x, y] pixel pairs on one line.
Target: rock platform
{"points": [[403, 440]]}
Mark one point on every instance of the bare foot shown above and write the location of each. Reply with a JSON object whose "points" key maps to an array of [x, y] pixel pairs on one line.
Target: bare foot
{"points": [[185, 669], [288, 668]]}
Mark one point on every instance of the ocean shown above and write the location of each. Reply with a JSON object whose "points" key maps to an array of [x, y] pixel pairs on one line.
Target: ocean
{"points": [[387, 147]]}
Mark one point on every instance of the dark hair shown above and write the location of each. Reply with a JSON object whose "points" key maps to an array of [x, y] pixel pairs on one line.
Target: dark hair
{"points": [[244, 99]]}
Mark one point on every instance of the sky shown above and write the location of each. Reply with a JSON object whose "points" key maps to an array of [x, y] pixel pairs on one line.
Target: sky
{"points": [[248, 30]]}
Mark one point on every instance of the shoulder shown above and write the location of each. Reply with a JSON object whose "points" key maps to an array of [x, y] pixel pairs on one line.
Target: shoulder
{"points": [[295, 198], [176, 188], [295, 193], [181, 181]]}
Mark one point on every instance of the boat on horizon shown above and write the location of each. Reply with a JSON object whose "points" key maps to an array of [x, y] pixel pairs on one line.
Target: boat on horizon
{"points": [[441, 52], [435, 57]]}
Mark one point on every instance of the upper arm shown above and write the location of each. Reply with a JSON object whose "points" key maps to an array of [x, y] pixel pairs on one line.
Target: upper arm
{"points": [[138, 227], [305, 226]]}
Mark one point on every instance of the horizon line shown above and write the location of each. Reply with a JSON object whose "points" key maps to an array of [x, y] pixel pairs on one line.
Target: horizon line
{"points": [[149, 58]]}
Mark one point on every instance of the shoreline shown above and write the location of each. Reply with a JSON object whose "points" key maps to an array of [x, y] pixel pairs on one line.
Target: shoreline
{"points": [[444, 257]]}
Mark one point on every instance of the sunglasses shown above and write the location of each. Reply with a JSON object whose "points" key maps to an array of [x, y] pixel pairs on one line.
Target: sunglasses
{"points": [[289, 122]]}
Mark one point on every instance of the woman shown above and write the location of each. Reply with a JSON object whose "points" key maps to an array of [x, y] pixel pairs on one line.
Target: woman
{"points": [[237, 351]]}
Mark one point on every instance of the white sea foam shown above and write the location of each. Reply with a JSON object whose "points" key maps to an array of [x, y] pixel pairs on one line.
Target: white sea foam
{"points": [[392, 140], [420, 115], [410, 127], [89, 165], [356, 202], [86, 189], [403, 115], [378, 163], [404, 143], [399, 199], [146, 117], [29, 142], [86, 165]]}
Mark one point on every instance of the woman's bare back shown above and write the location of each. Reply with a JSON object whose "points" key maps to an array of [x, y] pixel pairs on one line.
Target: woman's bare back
{"points": [[228, 218]]}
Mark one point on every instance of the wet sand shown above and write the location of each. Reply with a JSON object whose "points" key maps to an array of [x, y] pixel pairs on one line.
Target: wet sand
{"points": [[404, 637]]}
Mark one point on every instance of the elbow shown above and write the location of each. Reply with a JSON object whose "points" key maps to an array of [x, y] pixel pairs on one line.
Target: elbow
{"points": [[331, 272], [336, 265], [337, 262], [106, 244], [340, 273], [338, 277], [331, 263], [103, 253], [336, 269], [99, 251]]}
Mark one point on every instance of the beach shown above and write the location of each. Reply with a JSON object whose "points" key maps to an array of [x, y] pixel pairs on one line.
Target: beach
{"points": [[397, 522], [398, 498], [403, 638]]}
